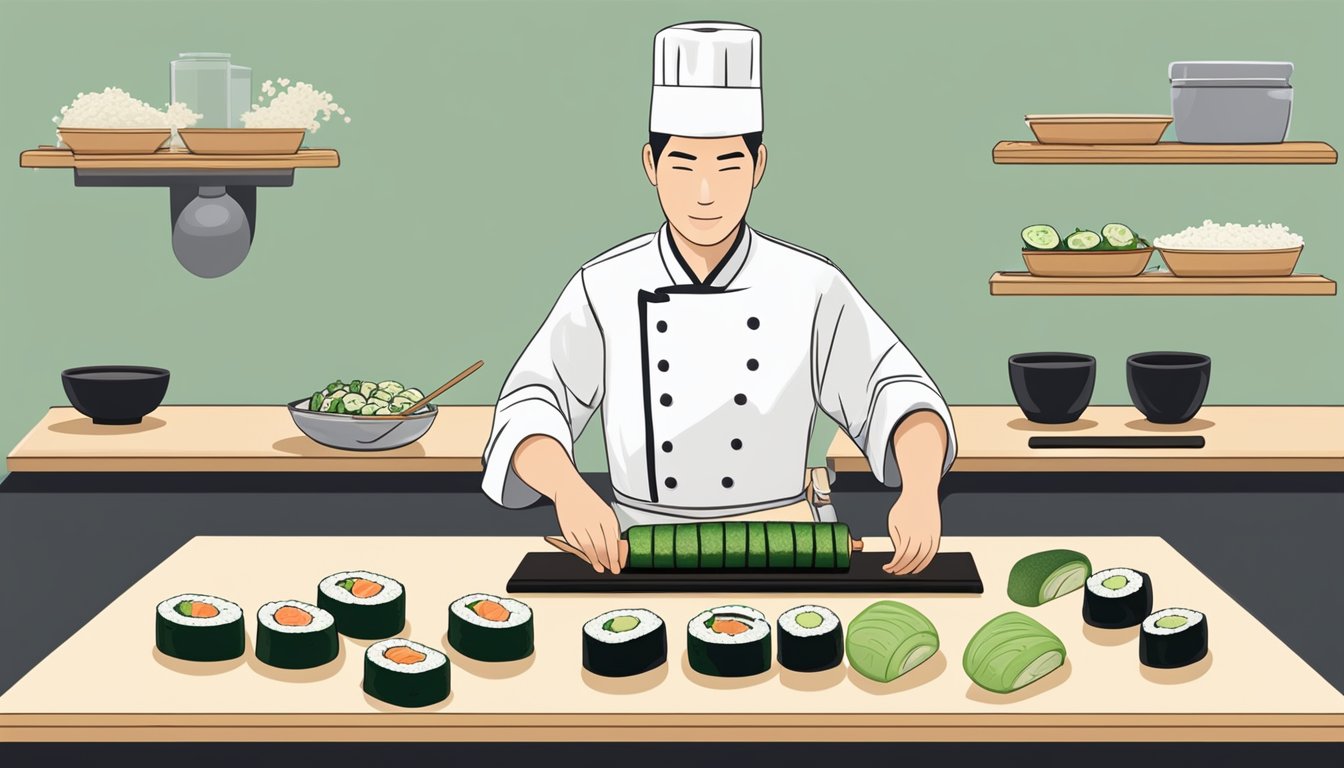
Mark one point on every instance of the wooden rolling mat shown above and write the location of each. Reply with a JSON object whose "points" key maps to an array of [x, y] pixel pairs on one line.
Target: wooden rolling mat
{"points": [[560, 572]]}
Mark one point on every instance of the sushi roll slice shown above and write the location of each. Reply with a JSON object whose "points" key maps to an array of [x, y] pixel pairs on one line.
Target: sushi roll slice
{"points": [[406, 674], [1117, 598], [490, 628], [623, 643], [367, 606], [1173, 637], [199, 628], [295, 635], [810, 639], [729, 641]]}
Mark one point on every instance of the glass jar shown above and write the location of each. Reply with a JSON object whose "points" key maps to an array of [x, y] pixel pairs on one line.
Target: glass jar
{"points": [[240, 93], [202, 82]]}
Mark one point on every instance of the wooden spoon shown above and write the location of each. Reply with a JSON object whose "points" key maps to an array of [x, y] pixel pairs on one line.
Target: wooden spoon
{"points": [[413, 408]]}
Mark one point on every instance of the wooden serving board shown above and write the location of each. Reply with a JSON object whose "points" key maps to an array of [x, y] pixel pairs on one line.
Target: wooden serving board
{"points": [[560, 572]]}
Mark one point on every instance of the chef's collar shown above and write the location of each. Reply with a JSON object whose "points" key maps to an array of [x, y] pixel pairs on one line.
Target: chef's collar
{"points": [[721, 276]]}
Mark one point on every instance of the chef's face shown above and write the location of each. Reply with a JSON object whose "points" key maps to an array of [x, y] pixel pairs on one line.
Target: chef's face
{"points": [[705, 185]]}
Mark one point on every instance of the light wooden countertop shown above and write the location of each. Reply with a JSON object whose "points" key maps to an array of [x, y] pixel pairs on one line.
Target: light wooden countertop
{"points": [[1239, 438], [108, 683], [238, 438]]}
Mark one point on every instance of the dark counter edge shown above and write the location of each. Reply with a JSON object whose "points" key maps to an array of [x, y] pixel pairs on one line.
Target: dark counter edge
{"points": [[678, 755], [845, 482]]}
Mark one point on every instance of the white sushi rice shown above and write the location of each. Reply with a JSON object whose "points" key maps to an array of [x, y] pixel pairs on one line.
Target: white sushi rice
{"points": [[1231, 237], [330, 587], [228, 612], [788, 621], [433, 659], [321, 619], [648, 622], [1133, 583], [1192, 618], [759, 626], [519, 613]]}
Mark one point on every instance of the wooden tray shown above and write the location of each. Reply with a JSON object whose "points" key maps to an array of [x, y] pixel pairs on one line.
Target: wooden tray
{"points": [[1098, 129], [559, 572], [243, 141], [114, 141], [1279, 262], [1087, 263]]}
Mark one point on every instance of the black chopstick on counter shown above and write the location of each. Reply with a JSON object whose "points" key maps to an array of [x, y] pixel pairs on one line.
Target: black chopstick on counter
{"points": [[1116, 441]]}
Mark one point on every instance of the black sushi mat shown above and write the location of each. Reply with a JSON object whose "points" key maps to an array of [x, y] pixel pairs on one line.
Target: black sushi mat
{"points": [[561, 572]]}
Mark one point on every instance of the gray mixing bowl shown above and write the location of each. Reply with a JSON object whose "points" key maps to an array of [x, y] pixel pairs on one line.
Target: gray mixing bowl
{"points": [[344, 431]]}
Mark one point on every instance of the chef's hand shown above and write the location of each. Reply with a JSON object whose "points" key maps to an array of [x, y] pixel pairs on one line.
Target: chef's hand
{"points": [[589, 523], [916, 526], [919, 444]]}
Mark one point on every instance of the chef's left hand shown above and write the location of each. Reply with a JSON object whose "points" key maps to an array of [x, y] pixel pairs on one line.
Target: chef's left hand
{"points": [[916, 525]]}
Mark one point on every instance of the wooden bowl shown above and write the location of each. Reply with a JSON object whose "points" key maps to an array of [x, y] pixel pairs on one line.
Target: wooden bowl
{"points": [[1087, 263], [1098, 129], [242, 141], [1272, 263], [114, 141]]}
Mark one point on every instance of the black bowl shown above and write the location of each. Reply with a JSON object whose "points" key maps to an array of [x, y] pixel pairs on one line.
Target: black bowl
{"points": [[115, 394], [1168, 387], [1052, 387]]}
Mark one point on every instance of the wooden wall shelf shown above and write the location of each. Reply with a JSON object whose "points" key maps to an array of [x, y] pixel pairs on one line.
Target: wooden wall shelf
{"points": [[1158, 284], [1165, 153], [177, 159]]}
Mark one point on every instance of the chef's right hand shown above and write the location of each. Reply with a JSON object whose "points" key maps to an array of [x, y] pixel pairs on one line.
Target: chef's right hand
{"points": [[589, 524]]}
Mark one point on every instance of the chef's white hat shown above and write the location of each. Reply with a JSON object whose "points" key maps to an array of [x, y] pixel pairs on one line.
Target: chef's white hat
{"points": [[706, 80]]}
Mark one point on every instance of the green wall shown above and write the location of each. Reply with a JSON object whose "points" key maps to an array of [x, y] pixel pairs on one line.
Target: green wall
{"points": [[495, 146]]}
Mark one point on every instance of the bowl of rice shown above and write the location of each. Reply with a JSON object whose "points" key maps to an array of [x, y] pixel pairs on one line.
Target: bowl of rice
{"points": [[284, 115], [112, 121], [1231, 250]]}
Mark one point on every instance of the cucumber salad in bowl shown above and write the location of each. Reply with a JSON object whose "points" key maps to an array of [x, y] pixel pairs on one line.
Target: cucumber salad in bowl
{"points": [[364, 398]]}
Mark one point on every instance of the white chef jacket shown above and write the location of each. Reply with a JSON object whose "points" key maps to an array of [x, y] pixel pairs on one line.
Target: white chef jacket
{"points": [[708, 390]]}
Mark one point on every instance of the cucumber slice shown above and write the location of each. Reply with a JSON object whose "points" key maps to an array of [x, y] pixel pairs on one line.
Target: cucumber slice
{"points": [[1118, 235], [369, 409], [1082, 240], [382, 411], [333, 386], [316, 403], [1041, 237], [380, 394], [353, 402], [354, 385], [391, 387], [367, 388], [338, 406], [414, 394]]}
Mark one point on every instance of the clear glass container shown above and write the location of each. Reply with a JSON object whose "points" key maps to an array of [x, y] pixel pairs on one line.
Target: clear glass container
{"points": [[240, 93], [202, 82]]}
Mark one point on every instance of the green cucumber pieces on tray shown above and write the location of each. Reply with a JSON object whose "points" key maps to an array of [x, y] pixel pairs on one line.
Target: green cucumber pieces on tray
{"points": [[1010, 652], [1113, 237], [779, 546], [1044, 576], [1041, 237]]}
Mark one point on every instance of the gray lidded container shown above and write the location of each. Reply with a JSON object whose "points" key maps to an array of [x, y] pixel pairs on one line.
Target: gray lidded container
{"points": [[1231, 102]]}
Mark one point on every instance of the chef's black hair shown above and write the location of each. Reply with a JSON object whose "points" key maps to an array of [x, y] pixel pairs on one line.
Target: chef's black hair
{"points": [[658, 142]]}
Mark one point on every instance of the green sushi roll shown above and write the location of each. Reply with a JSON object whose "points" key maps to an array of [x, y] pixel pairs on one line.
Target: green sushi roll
{"points": [[199, 628], [664, 546], [687, 539], [804, 546], [711, 545], [842, 545], [757, 552], [406, 674], [489, 628], [779, 545], [734, 545], [1012, 651], [1044, 576], [641, 546], [888, 639], [824, 556]]}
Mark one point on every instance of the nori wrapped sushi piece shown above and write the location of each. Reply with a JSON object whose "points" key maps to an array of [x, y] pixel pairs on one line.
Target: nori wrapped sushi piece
{"points": [[729, 641], [295, 635], [489, 628], [1117, 598], [199, 628], [406, 674], [366, 605], [811, 639], [624, 642], [1173, 637]]}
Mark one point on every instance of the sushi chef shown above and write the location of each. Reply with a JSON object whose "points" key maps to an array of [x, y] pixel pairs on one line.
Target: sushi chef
{"points": [[710, 345]]}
